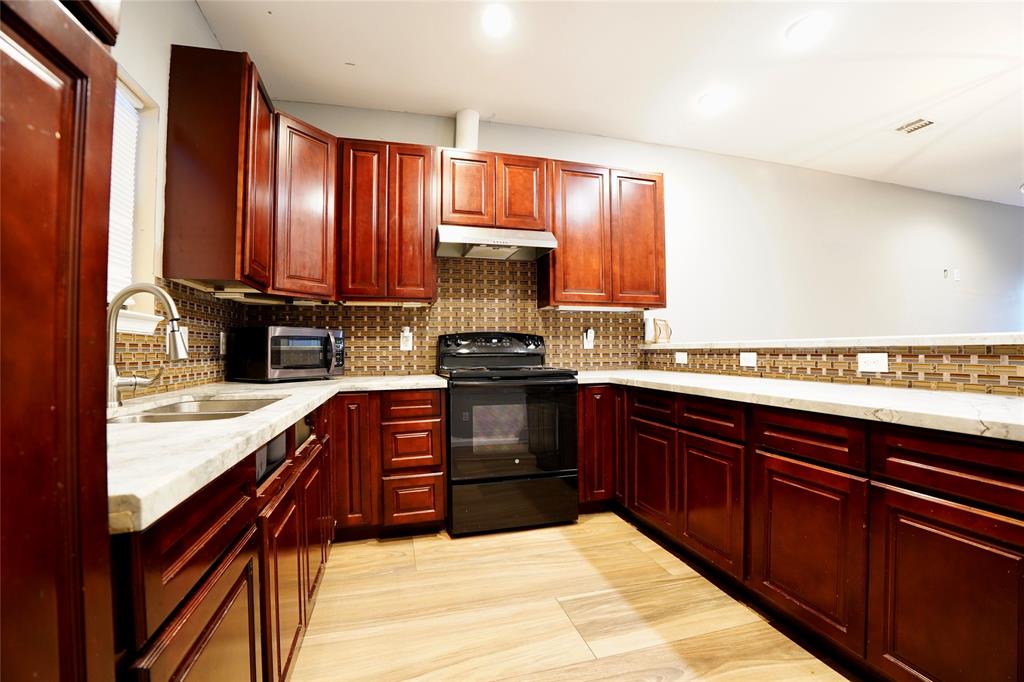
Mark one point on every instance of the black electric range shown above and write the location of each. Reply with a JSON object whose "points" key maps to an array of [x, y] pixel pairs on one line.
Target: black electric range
{"points": [[512, 458]]}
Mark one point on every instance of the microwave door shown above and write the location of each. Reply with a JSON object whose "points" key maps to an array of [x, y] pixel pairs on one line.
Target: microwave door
{"points": [[294, 356]]}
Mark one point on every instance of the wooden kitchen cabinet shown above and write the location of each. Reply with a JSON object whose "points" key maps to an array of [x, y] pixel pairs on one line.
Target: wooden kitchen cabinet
{"points": [[219, 193], [310, 488], [600, 441], [484, 189], [945, 589], [467, 188], [410, 244], [281, 571], [651, 460], [364, 229], [304, 233], [216, 634], [357, 460], [413, 498], [808, 545], [521, 192], [638, 239], [709, 499]]}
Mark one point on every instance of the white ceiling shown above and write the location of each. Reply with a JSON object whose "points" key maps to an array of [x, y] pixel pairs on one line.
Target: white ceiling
{"points": [[633, 70]]}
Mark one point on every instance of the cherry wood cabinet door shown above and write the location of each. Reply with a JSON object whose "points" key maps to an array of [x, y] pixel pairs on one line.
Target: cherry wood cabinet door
{"points": [[709, 495], [521, 192], [215, 635], [364, 237], [808, 545], [581, 266], [311, 503], [414, 498], [621, 475], [946, 589], [357, 460], [599, 439], [56, 117], [258, 249], [281, 568], [638, 238], [410, 241], [652, 459], [305, 233], [467, 188]]}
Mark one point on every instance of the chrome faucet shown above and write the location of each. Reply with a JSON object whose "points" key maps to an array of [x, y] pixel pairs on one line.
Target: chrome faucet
{"points": [[177, 349]]}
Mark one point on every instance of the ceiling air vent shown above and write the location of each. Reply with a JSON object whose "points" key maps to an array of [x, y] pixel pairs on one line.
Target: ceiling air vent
{"points": [[914, 126]]}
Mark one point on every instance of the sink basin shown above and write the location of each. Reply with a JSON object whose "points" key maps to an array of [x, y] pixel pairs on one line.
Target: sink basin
{"points": [[205, 406], [147, 418]]}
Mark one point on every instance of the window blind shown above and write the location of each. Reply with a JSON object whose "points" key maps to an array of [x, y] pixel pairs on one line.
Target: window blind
{"points": [[123, 166]]}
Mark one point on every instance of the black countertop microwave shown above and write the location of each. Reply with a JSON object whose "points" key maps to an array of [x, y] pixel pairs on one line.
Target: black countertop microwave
{"points": [[269, 354]]}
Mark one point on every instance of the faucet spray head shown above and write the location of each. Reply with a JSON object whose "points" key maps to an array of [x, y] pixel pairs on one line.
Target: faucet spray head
{"points": [[177, 349]]}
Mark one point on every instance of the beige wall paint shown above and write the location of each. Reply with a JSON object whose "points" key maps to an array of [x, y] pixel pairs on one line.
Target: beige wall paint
{"points": [[763, 250]]}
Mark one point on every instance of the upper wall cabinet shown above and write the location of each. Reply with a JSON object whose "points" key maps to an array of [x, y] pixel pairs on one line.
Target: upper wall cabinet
{"points": [[387, 222], [219, 216], [482, 189], [610, 227], [305, 233]]}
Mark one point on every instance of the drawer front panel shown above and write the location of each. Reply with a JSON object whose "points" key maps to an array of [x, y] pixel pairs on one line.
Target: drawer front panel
{"points": [[714, 417], [653, 406], [409, 404], [411, 444], [830, 440], [413, 499], [983, 470]]}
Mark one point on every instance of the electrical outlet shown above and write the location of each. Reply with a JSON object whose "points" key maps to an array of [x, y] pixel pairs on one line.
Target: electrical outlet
{"points": [[405, 339], [872, 362], [588, 339], [223, 343], [748, 359], [682, 358]]}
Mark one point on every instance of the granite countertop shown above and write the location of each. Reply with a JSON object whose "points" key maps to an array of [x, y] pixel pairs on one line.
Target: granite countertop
{"points": [[994, 416], [151, 468]]}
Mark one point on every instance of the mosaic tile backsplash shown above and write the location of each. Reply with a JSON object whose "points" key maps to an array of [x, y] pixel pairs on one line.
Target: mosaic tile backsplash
{"points": [[980, 369]]}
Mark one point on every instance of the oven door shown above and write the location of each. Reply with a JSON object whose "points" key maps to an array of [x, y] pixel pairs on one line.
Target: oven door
{"points": [[295, 353], [511, 428]]}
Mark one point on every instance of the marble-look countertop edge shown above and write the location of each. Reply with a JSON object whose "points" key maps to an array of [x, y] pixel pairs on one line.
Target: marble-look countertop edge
{"points": [[920, 340], [989, 416]]}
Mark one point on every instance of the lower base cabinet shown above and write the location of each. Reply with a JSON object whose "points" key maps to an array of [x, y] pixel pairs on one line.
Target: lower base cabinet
{"points": [[282, 561], [650, 453], [946, 590], [416, 498], [808, 544], [216, 633]]}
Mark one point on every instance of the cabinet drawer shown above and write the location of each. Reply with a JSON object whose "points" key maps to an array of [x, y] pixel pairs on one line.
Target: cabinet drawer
{"points": [[653, 406], [408, 404], [831, 440], [413, 499], [707, 415], [411, 444], [984, 470]]}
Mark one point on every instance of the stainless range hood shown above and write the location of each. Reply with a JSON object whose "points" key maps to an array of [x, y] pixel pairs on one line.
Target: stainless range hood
{"points": [[494, 243]]}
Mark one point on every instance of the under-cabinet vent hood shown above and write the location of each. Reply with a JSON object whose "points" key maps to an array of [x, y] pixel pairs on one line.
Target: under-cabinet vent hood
{"points": [[493, 243]]}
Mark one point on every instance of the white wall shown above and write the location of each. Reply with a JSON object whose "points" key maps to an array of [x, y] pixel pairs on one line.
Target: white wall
{"points": [[143, 53], [762, 250]]}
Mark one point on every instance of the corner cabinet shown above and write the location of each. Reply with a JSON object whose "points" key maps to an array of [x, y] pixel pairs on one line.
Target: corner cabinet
{"points": [[305, 233], [610, 227]]}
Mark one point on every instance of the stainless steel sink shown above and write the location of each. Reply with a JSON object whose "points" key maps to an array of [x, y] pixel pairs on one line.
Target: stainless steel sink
{"points": [[147, 418], [212, 405]]}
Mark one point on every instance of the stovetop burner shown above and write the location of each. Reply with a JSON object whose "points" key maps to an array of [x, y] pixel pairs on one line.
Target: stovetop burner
{"points": [[494, 355]]}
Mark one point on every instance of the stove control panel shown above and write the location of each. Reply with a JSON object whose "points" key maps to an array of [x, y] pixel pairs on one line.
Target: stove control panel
{"points": [[490, 343]]}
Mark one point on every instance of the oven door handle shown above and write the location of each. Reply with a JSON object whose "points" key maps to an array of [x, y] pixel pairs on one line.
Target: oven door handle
{"points": [[512, 383]]}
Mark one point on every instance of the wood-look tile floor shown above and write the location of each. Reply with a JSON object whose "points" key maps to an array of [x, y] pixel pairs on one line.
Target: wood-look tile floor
{"points": [[597, 600]]}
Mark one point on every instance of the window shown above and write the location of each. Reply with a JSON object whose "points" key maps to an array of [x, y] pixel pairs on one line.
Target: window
{"points": [[123, 170]]}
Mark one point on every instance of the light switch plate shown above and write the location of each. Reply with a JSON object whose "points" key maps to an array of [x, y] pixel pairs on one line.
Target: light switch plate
{"points": [[588, 339], [872, 362], [223, 343], [748, 359], [682, 358]]}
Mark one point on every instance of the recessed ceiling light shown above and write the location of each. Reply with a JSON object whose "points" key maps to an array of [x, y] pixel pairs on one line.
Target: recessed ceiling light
{"points": [[716, 100], [496, 20], [808, 31]]}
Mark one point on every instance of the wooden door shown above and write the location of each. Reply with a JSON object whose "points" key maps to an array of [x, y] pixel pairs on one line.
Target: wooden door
{"points": [[258, 250], [410, 223], [945, 590], [310, 490], [638, 239], [652, 472], [521, 192], [581, 266], [709, 497], [364, 234], [216, 634], [599, 436], [305, 233], [281, 568], [621, 475], [56, 117], [467, 188], [357, 462], [808, 544]]}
